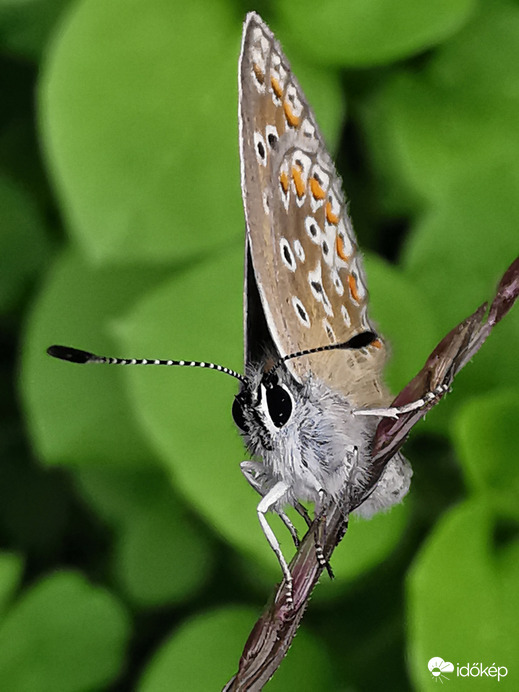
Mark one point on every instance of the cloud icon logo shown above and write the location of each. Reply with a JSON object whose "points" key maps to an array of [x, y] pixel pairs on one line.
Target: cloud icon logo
{"points": [[438, 667]]}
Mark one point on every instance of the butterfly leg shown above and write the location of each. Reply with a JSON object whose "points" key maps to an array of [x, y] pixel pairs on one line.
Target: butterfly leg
{"points": [[273, 496], [254, 472], [395, 411], [320, 533], [300, 509]]}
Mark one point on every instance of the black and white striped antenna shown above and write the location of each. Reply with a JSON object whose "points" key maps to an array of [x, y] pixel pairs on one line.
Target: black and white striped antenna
{"points": [[361, 340], [75, 355]]}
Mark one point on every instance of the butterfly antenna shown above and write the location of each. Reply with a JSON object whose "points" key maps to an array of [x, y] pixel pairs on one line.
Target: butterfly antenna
{"points": [[75, 355], [358, 341]]}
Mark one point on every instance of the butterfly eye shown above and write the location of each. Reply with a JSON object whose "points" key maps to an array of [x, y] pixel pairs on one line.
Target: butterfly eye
{"points": [[279, 404], [237, 413]]}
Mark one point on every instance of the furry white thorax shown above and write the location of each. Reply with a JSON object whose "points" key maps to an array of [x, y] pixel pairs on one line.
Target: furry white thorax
{"points": [[322, 447]]}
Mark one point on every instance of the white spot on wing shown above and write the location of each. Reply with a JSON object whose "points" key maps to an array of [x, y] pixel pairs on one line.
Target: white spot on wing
{"points": [[258, 53], [300, 311], [358, 274], [323, 179], [316, 286], [345, 316], [335, 207], [302, 163], [271, 136], [339, 286], [313, 229], [293, 99], [260, 148], [299, 250], [308, 128], [277, 72], [287, 255], [329, 331], [364, 319]]}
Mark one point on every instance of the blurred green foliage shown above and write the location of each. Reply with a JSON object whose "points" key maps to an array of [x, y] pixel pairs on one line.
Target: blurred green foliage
{"points": [[130, 553]]}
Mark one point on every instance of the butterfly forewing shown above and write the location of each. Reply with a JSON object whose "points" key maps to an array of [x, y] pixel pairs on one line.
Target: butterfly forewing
{"points": [[304, 253]]}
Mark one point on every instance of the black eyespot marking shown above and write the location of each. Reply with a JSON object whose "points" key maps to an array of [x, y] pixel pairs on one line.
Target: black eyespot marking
{"points": [[313, 229], [279, 404], [316, 286], [326, 249], [302, 312], [261, 149], [272, 140], [288, 255]]}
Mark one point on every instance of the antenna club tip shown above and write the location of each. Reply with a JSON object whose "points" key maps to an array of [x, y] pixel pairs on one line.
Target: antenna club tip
{"points": [[73, 355]]}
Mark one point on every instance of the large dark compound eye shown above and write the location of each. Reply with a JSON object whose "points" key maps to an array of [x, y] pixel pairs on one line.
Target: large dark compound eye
{"points": [[279, 404], [237, 412]]}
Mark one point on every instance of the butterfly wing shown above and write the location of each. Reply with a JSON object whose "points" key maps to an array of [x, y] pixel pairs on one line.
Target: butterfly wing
{"points": [[307, 267]]}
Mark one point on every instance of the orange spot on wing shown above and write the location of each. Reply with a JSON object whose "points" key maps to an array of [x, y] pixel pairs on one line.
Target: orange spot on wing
{"points": [[352, 283], [298, 181], [330, 216], [259, 73], [292, 119], [377, 343], [317, 190], [283, 179], [276, 87], [339, 244]]}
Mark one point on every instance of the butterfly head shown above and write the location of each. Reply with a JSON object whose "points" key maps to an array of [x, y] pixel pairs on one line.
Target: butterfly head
{"points": [[265, 405], [303, 431]]}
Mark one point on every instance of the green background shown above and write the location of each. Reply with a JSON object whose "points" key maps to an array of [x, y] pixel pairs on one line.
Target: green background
{"points": [[130, 552]]}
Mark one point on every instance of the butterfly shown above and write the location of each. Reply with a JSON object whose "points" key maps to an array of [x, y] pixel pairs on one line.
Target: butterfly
{"points": [[305, 288], [312, 408]]}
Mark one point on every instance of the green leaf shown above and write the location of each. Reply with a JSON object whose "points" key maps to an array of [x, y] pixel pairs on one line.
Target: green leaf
{"points": [[24, 246], [27, 25], [457, 255], [203, 654], [11, 567], [404, 317], [431, 131], [366, 545], [161, 558], [131, 128], [154, 535], [62, 634], [429, 128], [463, 64], [77, 414], [370, 32], [486, 440], [458, 252], [461, 596]]}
